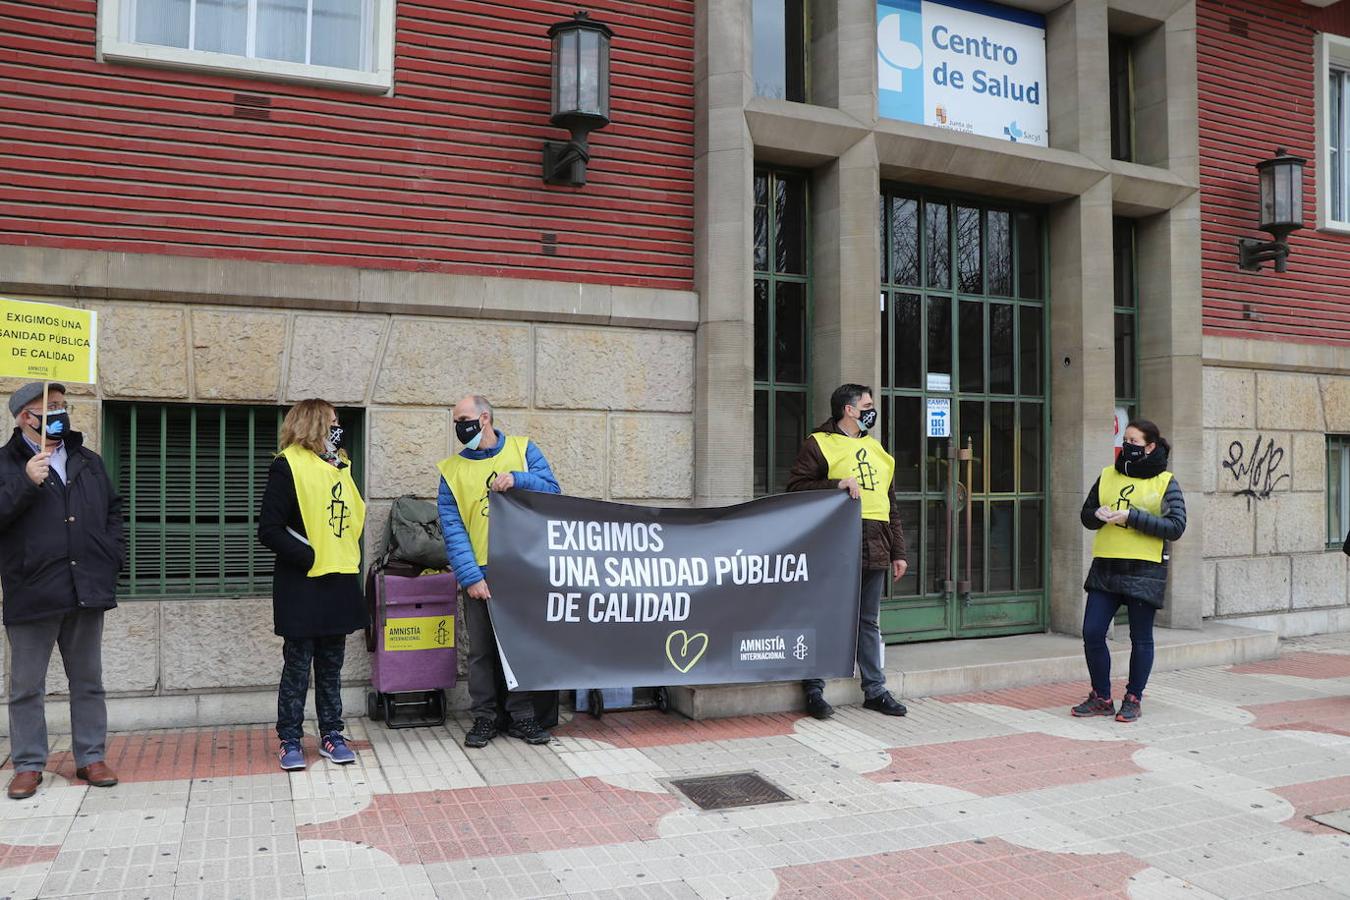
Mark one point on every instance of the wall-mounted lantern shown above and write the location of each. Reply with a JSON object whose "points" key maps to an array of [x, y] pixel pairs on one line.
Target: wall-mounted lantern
{"points": [[580, 95], [1281, 181]]}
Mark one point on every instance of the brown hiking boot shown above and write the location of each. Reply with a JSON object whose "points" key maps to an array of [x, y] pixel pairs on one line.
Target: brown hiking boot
{"points": [[24, 785], [98, 774]]}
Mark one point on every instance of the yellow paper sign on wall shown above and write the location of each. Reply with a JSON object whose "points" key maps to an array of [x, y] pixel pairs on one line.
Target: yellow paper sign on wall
{"points": [[420, 633], [43, 342]]}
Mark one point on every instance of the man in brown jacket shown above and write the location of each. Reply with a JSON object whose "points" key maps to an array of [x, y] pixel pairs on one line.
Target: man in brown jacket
{"points": [[842, 455]]}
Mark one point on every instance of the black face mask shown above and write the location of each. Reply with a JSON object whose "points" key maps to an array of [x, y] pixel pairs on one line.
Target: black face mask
{"points": [[1132, 453], [467, 430], [334, 438], [58, 425], [868, 419]]}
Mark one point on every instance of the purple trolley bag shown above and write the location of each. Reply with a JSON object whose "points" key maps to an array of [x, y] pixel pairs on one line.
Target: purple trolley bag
{"points": [[414, 649]]}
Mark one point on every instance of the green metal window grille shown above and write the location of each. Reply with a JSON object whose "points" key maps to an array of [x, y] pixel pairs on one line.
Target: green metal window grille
{"points": [[1338, 489], [191, 479], [1126, 289], [782, 325]]}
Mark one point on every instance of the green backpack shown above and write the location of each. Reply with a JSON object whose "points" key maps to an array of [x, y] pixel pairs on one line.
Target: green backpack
{"points": [[413, 535]]}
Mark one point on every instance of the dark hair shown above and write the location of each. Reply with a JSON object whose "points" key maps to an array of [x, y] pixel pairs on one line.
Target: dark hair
{"points": [[1152, 435], [846, 395]]}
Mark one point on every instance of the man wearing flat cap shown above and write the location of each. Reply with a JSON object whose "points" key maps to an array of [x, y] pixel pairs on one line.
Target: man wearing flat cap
{"points": [[61, 547]]}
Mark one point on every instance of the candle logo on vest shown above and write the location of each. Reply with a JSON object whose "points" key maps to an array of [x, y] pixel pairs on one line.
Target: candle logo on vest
{"points": [[685, 657], [338, 513], [487, 491], [867, 473], [1123, 503]]}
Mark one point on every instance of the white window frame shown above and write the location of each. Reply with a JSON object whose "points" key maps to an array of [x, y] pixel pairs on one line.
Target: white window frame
{"points": [[1332, 51], [114, 18], [1338, 507]]}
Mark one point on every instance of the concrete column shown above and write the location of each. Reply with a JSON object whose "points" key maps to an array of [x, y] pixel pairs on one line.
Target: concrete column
{"points": [[1076, 72], [845, 336], [723, 245], [1183, 114], [1171, 374], [1082, 387]]}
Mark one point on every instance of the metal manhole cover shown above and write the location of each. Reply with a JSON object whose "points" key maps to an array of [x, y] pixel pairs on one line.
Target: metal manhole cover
{"points": [[730, 791]]}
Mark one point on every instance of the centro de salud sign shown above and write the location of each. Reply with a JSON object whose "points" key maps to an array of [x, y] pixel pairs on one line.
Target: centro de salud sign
{"points": [[963, 65]]}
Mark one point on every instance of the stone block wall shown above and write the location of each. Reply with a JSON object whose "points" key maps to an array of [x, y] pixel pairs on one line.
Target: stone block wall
{"points": [[611, 408], [1264, 498]]}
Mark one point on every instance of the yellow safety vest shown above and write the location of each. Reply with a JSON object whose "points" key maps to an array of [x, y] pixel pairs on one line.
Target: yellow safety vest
{"points": [[470, 481], [867, 462], [332, 510], [1123, 492]]}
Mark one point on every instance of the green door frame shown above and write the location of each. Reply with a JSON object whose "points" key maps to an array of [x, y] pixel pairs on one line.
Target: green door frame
{"points": [[933, 604]]}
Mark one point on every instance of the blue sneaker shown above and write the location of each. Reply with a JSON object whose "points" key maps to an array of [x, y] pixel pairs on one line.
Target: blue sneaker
{"points": [[292, 756], [334, 747]]}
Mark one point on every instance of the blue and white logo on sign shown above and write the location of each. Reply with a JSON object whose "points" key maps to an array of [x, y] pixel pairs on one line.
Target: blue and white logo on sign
{"points": [[939, 418], [900, 60]]}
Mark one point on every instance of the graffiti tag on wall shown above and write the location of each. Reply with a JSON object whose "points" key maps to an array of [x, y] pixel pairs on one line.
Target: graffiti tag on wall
{"points": [[1256, 472]]}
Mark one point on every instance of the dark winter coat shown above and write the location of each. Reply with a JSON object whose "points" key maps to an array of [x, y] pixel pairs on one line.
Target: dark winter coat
{"points": [[303, 606], [1141, 579], [882, 542], [61, 545]]}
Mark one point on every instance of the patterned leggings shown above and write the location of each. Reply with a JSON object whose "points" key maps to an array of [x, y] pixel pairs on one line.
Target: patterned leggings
{"points": [[325, 654]]}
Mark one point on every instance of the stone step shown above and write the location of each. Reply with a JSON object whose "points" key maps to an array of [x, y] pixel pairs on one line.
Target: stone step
{"points": [[939, 668]]}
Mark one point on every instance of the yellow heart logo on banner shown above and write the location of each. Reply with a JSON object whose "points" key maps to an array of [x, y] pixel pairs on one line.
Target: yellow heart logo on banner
{"points": [[685, 640]]}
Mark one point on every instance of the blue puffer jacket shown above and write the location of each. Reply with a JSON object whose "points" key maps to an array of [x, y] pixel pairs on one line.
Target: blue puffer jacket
{"points": [[457, 546]]}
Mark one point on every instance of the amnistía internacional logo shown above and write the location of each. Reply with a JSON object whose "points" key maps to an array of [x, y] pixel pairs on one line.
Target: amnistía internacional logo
{"points": [[964, 65]]}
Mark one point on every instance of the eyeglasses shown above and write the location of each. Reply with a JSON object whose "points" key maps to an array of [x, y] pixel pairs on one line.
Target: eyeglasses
{"points": [[51, 408]]}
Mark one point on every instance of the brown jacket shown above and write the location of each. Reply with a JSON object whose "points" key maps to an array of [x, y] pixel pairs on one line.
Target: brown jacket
{"points": [[882, 542]]}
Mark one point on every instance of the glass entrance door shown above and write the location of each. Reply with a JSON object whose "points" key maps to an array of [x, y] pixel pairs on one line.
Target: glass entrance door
{"points": [[964, 413]]}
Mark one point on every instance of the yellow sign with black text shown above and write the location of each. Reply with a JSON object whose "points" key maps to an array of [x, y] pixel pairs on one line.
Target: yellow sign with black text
{"points": [[420, 633], [43, 342]]}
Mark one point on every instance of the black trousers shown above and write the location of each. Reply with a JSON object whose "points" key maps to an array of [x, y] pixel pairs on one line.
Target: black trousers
{"points": [[325, 654], [489, 697]]}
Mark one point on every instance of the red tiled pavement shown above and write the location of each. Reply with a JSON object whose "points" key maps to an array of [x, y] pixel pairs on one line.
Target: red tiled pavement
{"points": [[1329, 715], [650, 728], [166, 756], [15, 855], [1064, 695], [992, 767], [439, 826], [991, 868], [1313, 799], [1300, 665]]}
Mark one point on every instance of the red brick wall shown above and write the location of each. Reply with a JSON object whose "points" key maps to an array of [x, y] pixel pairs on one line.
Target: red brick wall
{"points": [[1256, 94], [444, 176]]}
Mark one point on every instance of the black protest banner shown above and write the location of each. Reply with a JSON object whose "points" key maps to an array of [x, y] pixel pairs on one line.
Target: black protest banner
{"points": [[593, 594]]}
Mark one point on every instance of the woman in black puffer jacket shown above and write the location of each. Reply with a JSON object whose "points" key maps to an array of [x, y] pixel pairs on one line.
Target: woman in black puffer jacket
{"points": [[1137, 509]]}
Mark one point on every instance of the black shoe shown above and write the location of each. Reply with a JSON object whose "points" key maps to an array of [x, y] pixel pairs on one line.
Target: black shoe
{"points": [[817, 707], [1129, 709], [1094, 706], [886, 705], [528, 730], [482, 731]]}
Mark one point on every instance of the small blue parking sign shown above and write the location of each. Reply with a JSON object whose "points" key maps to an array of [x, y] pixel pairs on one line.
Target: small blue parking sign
{"points": [[939, 418]]}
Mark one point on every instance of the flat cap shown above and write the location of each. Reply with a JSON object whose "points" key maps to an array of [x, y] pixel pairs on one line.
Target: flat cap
{"points": [[30, 392]]}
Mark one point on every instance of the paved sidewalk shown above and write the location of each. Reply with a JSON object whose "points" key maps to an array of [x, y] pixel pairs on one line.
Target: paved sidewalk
{"points": [[991, 795]]}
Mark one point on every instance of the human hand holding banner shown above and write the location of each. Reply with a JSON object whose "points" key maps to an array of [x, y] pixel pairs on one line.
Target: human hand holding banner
{"points": [[608, 595]]}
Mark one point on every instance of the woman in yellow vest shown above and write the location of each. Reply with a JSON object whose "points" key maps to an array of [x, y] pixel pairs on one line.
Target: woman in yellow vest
{"points": [[312, 516], [1137, 509]]}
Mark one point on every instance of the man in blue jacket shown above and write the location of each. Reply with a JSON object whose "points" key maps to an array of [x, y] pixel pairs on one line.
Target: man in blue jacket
{"points": [[490, 461]]}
